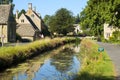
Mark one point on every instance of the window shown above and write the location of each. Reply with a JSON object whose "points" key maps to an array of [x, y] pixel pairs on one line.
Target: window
{"points": [[22, 21], [32, 15]]}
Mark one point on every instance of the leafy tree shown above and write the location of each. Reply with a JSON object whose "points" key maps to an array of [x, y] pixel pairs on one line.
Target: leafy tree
{"points": [[116, 35], [99, 12], [62, 22], [47, 19], [5, 1], [77, 19], [22, 11]]}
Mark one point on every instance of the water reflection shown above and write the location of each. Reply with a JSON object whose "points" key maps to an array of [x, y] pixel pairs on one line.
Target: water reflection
{"points": [[63, 60], [59, 64]]}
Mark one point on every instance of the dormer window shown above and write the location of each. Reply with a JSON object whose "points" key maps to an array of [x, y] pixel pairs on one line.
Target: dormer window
{"points": [[22, 21]]}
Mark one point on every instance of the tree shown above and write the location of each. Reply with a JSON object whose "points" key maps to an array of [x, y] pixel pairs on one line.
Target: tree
{"points": [[21, 12], [62, 22], [97, 13], [77, 19], [47, 19], [6, 1], [116, 35]]}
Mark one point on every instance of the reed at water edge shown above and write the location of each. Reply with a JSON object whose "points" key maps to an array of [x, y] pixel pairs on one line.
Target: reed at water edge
{"points": [[95, 65], [13, 55]]}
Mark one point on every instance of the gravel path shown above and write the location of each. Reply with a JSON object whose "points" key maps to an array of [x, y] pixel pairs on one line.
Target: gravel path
{"points": [[114, 53]]}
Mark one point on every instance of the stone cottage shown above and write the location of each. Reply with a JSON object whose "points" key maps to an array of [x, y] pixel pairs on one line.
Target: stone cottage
{"points": [[108, 30], [7, 24], [77, 28], [30, 25]]}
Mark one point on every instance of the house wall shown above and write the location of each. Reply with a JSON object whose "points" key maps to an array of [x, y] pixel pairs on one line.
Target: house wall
{"points": [[22, 20], [108, 30], [31, 38], [35, 18], [77, 29], [3, 33]]}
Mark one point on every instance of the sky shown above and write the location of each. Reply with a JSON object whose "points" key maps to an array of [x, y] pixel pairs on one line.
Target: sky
{"points": [[49, 7]]}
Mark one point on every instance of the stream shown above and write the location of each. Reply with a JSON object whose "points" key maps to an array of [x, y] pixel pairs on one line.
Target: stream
{"points": [[62, 63]]}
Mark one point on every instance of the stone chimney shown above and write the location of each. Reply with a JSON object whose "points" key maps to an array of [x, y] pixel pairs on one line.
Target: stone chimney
{"points": [[30, 6], [17, 12]]}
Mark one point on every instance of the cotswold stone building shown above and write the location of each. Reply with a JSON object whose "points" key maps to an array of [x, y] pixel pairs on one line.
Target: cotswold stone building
{"points": [[30, 25], [108, 30], [7, 24], [77, 28]]}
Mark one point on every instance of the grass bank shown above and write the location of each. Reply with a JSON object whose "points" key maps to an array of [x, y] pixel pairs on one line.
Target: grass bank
{"points": [[94, 65], [14, 55]]}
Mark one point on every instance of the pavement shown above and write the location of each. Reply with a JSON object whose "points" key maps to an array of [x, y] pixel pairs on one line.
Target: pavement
{"points": [[114, 53]]}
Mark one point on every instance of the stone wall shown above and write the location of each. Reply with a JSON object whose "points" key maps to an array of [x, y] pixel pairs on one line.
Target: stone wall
{"points": [[35, 18], [108, 30], [3, 33], [28, 38]]}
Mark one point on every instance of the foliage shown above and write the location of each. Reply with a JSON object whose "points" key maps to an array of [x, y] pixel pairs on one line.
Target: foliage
{"points": [[5, 1], [95, 65], [96, 13], [45, 30], [21, 12], [77, 19], [47, 19], [115, 37], [62, 22], [14, 55]]}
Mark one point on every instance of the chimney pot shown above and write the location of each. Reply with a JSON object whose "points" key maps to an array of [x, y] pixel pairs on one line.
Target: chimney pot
{"points": [[17, 14], [30, 6]]}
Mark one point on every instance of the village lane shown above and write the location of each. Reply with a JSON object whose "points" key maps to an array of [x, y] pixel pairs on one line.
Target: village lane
{"points": [[114, 53]]}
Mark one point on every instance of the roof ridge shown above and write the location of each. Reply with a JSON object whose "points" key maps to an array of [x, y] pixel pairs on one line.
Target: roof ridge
{"points": [[31, 22]]}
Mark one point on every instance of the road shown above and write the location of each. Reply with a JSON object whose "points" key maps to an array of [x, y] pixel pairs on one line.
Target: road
{"points": [[114, 53]]}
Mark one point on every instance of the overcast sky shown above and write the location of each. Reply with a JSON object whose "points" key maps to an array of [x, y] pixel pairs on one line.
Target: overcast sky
{"points": [[49, 7]]}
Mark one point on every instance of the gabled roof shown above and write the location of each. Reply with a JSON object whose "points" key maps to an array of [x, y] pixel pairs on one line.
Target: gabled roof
{"points": [[25, 30], [32, 23], [36, 14], [4, 13]]}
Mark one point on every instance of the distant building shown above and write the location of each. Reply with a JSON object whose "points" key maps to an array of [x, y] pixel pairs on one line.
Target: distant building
{"points": [[77, 28], [7, 24], [30, 25], [108, 30]]}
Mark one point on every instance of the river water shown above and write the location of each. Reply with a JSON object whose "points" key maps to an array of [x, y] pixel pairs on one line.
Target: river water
{"points": [[62, 63]]}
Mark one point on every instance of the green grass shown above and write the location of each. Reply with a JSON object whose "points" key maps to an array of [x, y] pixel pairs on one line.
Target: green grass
{"points": [[93, 66], [16, 54]]}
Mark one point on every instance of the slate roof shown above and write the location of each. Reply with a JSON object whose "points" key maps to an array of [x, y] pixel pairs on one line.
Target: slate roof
{"points": [[4, 13], [25, 30]]}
